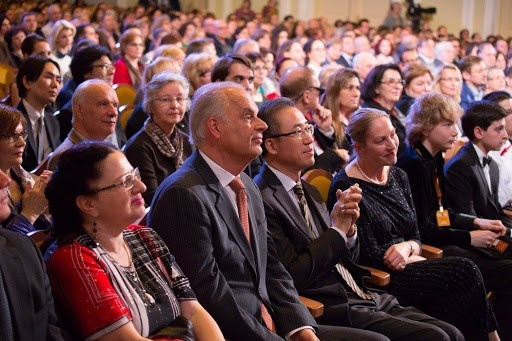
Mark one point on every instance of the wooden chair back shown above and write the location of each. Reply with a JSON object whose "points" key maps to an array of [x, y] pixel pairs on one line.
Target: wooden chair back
{"points": [[124, 114], [125, 94], [321, 179]]}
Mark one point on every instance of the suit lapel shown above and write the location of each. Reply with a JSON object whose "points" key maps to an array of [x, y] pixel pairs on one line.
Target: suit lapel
{"points": [[31, 141], [283, 198], [13, 276], [478, 165], [225, 208]]}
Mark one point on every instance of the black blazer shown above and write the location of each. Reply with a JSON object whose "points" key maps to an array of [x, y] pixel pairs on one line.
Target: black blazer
{"points": [[467, 190], [310, 261], [28, 289], [52, 130], [196, 218]]}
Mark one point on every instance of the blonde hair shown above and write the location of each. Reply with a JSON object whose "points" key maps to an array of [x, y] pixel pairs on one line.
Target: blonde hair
{"points": [[196, 64], [439, 72], [428, 111], [172, 52], [59, 26]]}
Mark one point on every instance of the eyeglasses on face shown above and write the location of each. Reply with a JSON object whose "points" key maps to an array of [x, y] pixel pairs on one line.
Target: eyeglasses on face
{"points": [[393, 82], [299, 133], [105, 67], [319, 89], [127, 182], [166, 101], [13, 137]]}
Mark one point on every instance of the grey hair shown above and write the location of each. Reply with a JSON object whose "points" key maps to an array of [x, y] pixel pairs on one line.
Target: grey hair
{"points": [[79, 94], [211, 100], [157, 82]]}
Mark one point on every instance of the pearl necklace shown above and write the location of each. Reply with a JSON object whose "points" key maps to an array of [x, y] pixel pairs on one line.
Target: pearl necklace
{"points": [[367, 177]]}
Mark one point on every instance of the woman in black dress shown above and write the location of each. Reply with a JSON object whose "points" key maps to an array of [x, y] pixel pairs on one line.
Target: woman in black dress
{"points": [[449, 288]]}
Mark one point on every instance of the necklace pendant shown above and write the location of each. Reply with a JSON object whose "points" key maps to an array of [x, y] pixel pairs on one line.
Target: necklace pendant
{"points": [[150, 298]]}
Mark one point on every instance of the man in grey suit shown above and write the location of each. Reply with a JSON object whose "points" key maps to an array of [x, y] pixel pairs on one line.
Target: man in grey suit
{"points": [[313, 246], [220, 236]]}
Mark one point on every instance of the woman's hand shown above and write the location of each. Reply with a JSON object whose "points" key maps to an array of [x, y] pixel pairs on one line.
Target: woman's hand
{"points": [[396, 257], [205, 327], [33, 201]]}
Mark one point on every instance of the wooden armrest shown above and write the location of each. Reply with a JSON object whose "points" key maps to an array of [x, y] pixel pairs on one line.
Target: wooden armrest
{"points": [[315, 308], [508, 212], [40, 236], [379, 278], [429, 252]]}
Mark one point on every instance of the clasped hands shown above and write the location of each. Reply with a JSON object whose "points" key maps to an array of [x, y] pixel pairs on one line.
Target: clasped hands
{"points": [[345, 212]]}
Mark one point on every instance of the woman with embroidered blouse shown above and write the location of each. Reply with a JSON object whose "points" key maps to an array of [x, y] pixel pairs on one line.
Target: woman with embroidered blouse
{"points": [[449, 288], [26, 195], [160, 148], [112, 280]]}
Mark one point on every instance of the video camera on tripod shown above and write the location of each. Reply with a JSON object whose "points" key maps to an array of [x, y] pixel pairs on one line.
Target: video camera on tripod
{"points": [[415, 12]]}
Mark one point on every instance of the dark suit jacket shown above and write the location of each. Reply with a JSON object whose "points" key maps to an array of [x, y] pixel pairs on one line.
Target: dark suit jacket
{"points": [[467, 190], [197, 220], [310, 261], [345, 63], [28, 289], [52, 130], [466, 96]]}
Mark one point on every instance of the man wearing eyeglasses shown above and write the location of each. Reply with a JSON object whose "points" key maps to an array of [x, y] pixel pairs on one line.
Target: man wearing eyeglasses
{"points": [[95, 113], [312, 245], [302, 86]]}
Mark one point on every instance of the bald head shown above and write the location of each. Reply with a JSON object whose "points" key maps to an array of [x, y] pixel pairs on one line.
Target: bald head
{"points": [[295, 81], [95, 109], [363, 63]]}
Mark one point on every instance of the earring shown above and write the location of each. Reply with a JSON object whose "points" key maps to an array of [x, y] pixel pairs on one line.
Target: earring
{"points": [[94, 230]]}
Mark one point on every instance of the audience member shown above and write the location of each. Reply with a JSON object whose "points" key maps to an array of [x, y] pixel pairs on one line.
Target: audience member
{"points": [[363, 63], [221, 38], [54, 13], [61, 41], [426, 53], [390, 239], [23, 279], [26, 195], [159, 148], [488, 54], [347, 51], [95, 106], [474, 75], [504, 155], [381, 90], [39, 82], [418, 81], [248, 291], [129, 68], [320, 252], [34, 45], [302, 86], [471, 176], [142, 288], [431, 129], [496, 80]]}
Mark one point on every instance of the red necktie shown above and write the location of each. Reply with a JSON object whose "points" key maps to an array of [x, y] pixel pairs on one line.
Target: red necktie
{"points": [[241, 202]]}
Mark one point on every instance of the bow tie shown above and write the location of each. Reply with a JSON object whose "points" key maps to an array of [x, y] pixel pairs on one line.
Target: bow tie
{"points": [[486, 160]]}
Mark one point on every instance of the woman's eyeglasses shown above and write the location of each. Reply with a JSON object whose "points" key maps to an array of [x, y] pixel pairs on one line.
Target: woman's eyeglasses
{"points": [[127, 182], [13, 137]]}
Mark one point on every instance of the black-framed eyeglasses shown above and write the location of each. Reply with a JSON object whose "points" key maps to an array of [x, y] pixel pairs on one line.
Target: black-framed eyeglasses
{"points": [[298, 133], [105, 67], [127, 182], [317, 88], [13, 137]]}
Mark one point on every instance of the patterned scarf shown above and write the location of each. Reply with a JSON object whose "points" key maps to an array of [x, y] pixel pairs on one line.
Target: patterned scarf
{"points": [[171, 147]]}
